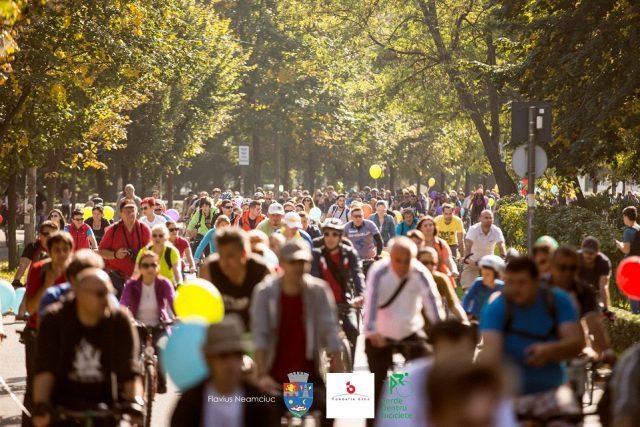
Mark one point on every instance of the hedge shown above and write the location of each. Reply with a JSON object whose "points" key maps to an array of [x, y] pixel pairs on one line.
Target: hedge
{"points": [[625, 331]]}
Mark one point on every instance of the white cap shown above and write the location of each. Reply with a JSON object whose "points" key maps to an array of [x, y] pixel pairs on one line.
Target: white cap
{"points": [[276, 209], [292, 220]]}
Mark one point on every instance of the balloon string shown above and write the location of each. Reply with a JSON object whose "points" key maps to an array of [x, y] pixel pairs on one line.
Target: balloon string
{"points": [[14, 397]]}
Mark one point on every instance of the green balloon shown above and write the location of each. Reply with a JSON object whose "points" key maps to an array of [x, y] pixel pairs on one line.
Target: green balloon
{"points": [[548, 240]]}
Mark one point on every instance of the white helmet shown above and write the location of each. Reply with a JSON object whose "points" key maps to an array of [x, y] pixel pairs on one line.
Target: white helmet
{"points": [[493, 262]]}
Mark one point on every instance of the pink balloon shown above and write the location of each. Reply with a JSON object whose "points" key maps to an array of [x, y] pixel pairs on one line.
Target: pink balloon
{"points": [[173, 214]]}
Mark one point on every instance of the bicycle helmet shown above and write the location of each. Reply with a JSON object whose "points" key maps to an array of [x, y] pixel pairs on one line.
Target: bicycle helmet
{"points": [[332, 224], [511, 254], [493, 262], [227, 195]]}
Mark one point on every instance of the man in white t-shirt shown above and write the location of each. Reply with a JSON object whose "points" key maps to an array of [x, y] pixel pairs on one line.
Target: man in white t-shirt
{"points": [[481, 239]]}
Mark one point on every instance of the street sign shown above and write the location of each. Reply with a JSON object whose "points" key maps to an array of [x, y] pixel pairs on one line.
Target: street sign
{"points": [[520, 121], [520, 161], [243, 155]]}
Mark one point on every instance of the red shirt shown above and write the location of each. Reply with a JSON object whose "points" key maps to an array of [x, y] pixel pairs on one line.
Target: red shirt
{"points": [[181, 244], [328, 276], [139, 236], [35, 282], [80, 236], [290, 351]]}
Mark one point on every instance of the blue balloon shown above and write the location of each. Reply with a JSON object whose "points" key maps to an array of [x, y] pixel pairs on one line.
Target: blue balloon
{"points": [[271, 258], [18, 299], [182, 357], [7, 296]]}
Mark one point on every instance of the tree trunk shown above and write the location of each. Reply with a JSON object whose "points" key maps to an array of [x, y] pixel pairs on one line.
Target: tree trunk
{"points": [[12, 220], [582, 202], [30, 216], [443, 178], [276, 190], [11, 114], [101, 184], [50, 182], [286, 176], [169, 190], [311, 170], [256, 161], [392, 176], [466, 97], [74, 188]]}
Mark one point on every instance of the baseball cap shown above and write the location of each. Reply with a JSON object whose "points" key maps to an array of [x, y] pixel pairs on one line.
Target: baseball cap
{"points": [[276, 209], [126, 203], [292, 220], [590, 244], [225, 337], [296, 250]]}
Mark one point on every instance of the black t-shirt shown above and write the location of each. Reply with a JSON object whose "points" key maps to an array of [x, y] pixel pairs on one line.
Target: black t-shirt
{"points": [[585, 297], [103, 226], [82, 358], [34, 252], [237, 299], [591, 276]]}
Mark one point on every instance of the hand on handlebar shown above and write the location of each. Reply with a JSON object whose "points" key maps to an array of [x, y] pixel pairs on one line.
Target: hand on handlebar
{"points": [[357, 302]]}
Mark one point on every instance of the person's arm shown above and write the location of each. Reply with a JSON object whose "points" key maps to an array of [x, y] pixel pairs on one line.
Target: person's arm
{"points": [[175, 266], [203, 244], [379, 243], [460, 236], [93, 243], [624, 247], [392, 227], [468, 298], [355, 264], [105, 248], [492, 347], [502, 249], [22, 267], [454, 304], [604, 290], [570, 343], [190, 261]]}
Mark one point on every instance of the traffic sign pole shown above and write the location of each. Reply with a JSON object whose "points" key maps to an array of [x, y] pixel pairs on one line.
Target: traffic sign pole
{"points": [[531, 196]]}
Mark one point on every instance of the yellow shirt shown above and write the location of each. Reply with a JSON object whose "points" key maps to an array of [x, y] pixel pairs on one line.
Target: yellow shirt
{"points": [[448, 232], [165, 270]]}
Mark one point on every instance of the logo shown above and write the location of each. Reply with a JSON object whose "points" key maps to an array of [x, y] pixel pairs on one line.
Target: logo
{"points": [[398, 383], [350, 395], [393, 405], [298, 394]]}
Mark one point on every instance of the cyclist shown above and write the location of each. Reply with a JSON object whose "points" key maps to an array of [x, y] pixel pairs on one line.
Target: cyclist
{"points": [[481, 240], [339, 210], [234, 270], [209, 239], [408, 222], [252, 217], [536, 328], [149, 217], [86, 365], [274, 220], [339, 265], [385, 222], [34, 251], [181, 244], [542, 253], [201, 222], [121, 243], [451, 229], [168, 254], [430, 232], [284, 344], [484, 287], [56, 216], [150, 300], [293, 228], [98, 222], [224, 349], [311, 229], [82, 234], [365, 236], [595, 270], [398, 289]]}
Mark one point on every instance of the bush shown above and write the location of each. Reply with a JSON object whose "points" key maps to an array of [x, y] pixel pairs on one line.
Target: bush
{"points": [[625, 331]]}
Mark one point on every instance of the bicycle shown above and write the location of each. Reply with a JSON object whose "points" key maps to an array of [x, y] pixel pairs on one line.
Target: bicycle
{"points": [[530, 420], [149, 365], [128, 413], [403, 348]]}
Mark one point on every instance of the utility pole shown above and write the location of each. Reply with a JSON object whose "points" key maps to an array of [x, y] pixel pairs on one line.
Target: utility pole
{"points": [[531, 196]]}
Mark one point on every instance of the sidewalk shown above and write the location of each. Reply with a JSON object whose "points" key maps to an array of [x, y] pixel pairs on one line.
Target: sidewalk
{"points": [[4, 250]]}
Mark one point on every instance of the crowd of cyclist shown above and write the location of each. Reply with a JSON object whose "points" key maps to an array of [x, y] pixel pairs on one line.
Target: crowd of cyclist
{"points": [[391, 267]]}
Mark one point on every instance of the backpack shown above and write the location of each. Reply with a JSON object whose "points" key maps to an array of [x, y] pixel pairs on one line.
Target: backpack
{"points": [[634, 245], [550, 305], [167, 254]]}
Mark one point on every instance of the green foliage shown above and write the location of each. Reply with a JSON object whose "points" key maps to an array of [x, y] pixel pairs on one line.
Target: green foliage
{"points": [[624, 332], [512, 216]]}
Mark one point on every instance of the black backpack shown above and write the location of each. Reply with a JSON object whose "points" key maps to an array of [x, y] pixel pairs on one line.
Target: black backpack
{"points": [[634, 246]]}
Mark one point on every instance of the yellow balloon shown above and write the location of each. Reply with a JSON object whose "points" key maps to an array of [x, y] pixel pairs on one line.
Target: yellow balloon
{"points": [[398, 217], [108, 212], [491, 202], [87, 212], [431, 182], [375, 171], [199, 298]]}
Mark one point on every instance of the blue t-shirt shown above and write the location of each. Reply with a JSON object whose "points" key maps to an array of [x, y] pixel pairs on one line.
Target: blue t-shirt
{"points": [[478, 295], [628, 235], [534, 319], [208, 239], [51, 295], [402, 229], [363, 238]]}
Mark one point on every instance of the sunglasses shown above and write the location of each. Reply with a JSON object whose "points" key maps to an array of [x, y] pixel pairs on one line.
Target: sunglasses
{"points": [[334, 234], [356, 216], [148, 265], [227, 207], [567, 267], [171, 230], [78, 219], [155, 236]]}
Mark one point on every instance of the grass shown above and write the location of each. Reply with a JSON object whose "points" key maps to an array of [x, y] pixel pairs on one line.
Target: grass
{"points": [[5, 272]]}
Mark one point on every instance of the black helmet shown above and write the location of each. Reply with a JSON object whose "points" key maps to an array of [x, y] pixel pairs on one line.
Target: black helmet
{"points": [[332, 224]]}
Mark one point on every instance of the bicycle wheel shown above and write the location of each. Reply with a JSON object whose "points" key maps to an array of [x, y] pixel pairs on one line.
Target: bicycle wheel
{"points": [[346, 361], [149, 384]]}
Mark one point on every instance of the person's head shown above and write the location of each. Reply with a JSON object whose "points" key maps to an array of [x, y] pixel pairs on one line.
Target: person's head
{"points": [[222, 221], [521, 280], [427, 225], [381, 207], [542, 253], [224, 349], [491, 268], [159, 234], [173, 229], [147, 205], [77, 218], [299, 207], [275, 213], [629, 215], [590, 249], [341, 200], [81, 260], [295, 259], [129, 191], [401, 251], [149, 265], [159, 207], [332, 229], [255, 209], [357, 216], [155, 194], [257, 237], [216, 192], [453, 339], [97, 212], [128, 211], [288, 207], [226, 207], [463, 394], [205, 205], [307, 202], [93, 287], [408, 215], [46, 229], [292, 221], [304, 219], [447, 213], [60, 247], [276, 241], [564, 267], [56, 216], [486, 218], [417, 237], [233, 250], [428, 256]]}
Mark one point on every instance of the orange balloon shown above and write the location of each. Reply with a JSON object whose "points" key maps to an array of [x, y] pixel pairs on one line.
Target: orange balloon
{"points": [[366, 210]]}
